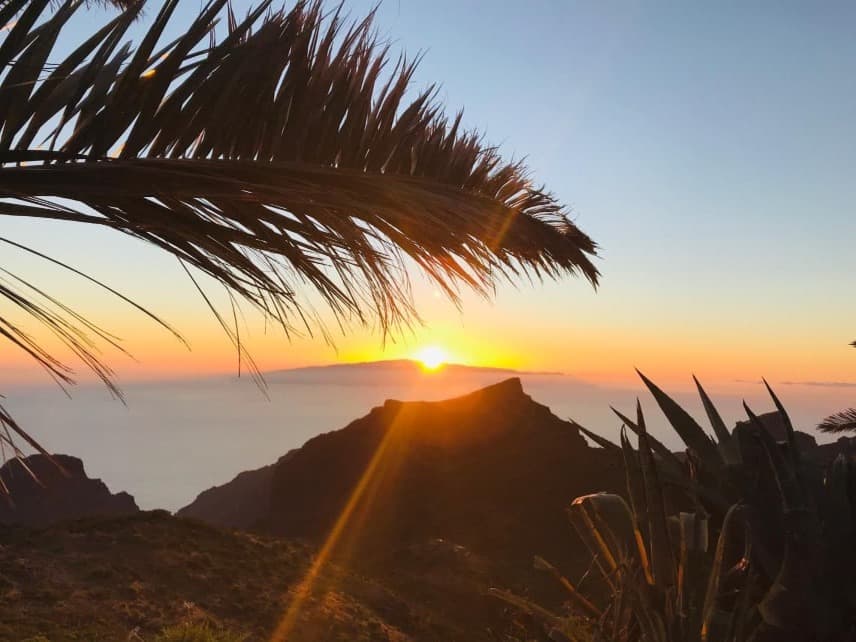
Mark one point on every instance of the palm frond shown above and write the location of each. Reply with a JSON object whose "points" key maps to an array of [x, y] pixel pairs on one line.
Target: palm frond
{"points": [[844, 421], [280, 153]]}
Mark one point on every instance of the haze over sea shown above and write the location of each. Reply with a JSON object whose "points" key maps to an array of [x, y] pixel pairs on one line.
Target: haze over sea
{"points": [[174, 439]]}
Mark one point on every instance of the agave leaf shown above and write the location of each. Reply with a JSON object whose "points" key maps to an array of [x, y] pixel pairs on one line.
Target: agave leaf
{"points": [[586, 530], [730, 451], [647, 616], [674, 473], [728, 577], [605, 522], [789, 605], [578, 598], [838, 482], [793, 449], [638, 506], [600, 441], [722, 432], [661, 549], [527, 606], [633, 477], [692, 532], [790, 492], [666, 456], [692, 434]]}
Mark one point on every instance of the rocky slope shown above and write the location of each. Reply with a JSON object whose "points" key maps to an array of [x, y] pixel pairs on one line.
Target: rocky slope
{"points": [[58, 494]]}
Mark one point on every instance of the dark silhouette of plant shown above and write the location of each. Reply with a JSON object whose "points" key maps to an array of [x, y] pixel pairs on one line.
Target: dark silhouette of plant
{"points": [[782, 566], [844, 421], [279, 153]]}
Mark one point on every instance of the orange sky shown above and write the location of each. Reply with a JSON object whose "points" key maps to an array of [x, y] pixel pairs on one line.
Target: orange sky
{"points": [[562, 326]]}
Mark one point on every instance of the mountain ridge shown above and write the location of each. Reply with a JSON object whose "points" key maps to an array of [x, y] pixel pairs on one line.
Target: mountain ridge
{"points": [[491, 470]]}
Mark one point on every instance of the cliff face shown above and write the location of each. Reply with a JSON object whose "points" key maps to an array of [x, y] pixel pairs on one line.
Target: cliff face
{"points": [[241, 503], [58, 497], [492, 471]]}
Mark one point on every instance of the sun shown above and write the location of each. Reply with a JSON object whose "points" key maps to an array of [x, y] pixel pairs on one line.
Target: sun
{"points": [[431, 357]]}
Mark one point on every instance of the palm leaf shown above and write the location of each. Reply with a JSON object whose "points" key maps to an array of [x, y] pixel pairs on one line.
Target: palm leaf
{"points": [[281, 153], [844, 421]]}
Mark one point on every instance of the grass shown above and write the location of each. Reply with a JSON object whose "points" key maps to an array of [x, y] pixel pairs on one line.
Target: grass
{"points": [[153, 577], [198, 632]]}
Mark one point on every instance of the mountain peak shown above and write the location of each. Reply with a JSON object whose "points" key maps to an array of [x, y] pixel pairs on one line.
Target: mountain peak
{"points": [[491, 470], [509, 388], [56, 497], [502, 392]]}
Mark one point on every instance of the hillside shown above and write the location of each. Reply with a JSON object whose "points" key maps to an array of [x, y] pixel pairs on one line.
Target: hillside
{"points": [[492, 471], [126, 578]]}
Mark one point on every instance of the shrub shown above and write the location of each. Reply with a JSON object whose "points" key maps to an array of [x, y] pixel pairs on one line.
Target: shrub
{"points": [[198, 632]]}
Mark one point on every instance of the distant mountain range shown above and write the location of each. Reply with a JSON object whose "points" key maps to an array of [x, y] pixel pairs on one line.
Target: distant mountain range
{"points": [[396, 369]]}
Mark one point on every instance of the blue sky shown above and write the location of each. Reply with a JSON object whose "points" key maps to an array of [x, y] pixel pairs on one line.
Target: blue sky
{"points": [[708, 148]]}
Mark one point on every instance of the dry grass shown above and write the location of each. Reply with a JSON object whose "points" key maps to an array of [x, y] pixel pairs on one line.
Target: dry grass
{"points": [[136, 578]]}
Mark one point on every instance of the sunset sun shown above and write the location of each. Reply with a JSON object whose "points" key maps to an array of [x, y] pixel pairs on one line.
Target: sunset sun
{"points": [[431, 357]]}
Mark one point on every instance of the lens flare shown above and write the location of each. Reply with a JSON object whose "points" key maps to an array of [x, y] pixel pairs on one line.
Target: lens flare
{"points": [[431, 357]]}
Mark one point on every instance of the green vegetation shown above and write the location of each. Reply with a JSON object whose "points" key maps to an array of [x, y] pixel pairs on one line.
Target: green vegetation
{"points": [[744, 539], [198, 632]]}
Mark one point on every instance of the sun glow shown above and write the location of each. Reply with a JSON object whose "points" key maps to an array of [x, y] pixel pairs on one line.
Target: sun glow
{"points": [[431, 357]]}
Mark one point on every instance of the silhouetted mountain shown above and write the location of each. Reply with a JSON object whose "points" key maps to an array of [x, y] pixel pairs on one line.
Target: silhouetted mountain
{"points": [[58, 497], [821, 455], [775, 425], [395, 369], [240, 503], [492, 471]]}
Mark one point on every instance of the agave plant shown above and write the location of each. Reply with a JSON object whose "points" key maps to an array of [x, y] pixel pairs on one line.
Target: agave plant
{"points": [[782, 564], [277, 153]]}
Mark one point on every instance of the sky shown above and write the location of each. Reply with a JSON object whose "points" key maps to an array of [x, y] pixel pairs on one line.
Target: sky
{"points": [[707, 148]]}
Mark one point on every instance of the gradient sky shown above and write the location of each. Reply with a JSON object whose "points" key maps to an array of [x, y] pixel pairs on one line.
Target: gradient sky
{"points": [[708, 148]]}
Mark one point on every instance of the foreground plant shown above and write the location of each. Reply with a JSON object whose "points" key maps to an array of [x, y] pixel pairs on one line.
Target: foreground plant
{"points": [[198, 632], [276, 155], [741, 539]]}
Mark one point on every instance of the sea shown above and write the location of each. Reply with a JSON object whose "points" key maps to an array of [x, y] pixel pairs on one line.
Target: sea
{"points": [[171, 440]]}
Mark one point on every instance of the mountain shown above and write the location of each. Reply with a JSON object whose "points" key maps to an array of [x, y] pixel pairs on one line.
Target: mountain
{"points": [[819, 455], [240, 503], [57, 496], [397, 370], [491, 471]]}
